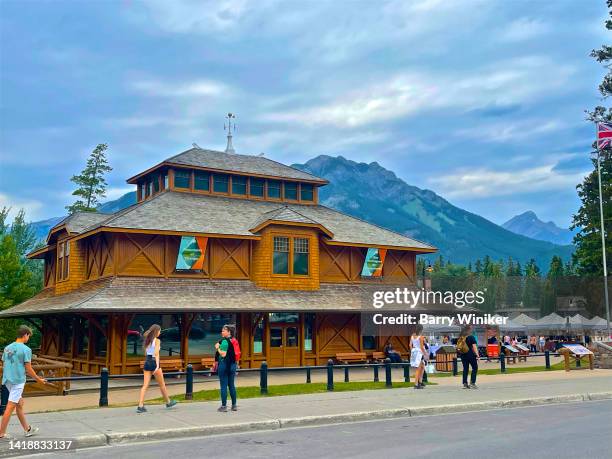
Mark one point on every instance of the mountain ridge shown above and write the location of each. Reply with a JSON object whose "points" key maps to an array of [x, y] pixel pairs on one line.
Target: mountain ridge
{"points": [[528, 224]]}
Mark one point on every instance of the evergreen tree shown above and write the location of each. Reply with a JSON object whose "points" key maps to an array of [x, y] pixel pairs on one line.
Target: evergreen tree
{"points": [[478, 267], [588, 254], [91, 184]]}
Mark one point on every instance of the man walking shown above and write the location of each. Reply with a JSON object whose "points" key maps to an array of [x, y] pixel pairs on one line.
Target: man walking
{"points": [[17, 362]]}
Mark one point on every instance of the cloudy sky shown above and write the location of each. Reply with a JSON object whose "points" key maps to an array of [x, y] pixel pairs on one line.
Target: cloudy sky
{"points": [[481, 101]]}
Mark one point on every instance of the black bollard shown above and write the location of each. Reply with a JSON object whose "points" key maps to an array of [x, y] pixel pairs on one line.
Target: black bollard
{"points": [[375, 372], [307, 375], [330, 375], [547, 359], [424, 375], [406, 372], [388, 382], [455, 367], [3, 399], [189, 383], [263, 378], [502, 362], [104, 387], [346, 374]]}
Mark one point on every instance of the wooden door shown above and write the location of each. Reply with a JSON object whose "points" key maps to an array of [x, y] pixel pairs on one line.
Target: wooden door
{"points": [[284, 345]]}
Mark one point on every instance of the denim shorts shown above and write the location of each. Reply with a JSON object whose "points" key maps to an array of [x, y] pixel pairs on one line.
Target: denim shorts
{"points": [[150, 364]]}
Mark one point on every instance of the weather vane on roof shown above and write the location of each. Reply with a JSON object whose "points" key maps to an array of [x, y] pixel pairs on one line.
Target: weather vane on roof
{"points": [[230, 125]]}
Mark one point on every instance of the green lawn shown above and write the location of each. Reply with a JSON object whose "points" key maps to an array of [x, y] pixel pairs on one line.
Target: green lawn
{"points": [[510, 369], [291, 389]]}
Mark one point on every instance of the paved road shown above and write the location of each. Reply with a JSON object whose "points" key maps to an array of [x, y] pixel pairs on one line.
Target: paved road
{"points": [[559, 431]]}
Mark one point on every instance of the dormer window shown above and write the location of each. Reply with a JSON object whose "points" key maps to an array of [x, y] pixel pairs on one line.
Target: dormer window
{"points": [[239, 185], [306, 192], [182, 179], [291, 191], [257, 187], [201, 181], [220, 183], [156, 183], [274, 189], [290, 256]]}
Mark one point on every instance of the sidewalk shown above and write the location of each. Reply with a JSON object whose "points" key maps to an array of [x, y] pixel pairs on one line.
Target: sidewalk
{"points": [[103, 426], [85, 394]]}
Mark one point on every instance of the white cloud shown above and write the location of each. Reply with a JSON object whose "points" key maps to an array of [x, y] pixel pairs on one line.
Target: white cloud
{"points": [[485, 183], [193, 88], [524, 29], [33, 209], [502, 132], [410, 92]]}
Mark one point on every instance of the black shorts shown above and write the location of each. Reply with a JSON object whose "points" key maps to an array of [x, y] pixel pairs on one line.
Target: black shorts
{"points": [[150, 364]]}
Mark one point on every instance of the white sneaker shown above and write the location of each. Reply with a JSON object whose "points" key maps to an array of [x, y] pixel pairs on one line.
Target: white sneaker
{"points": [[32, 431]]}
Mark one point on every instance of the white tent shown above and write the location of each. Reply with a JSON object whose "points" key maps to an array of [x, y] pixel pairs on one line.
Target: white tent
{"points": [[528, 322], [511, 325], [597, 323], [578, 322], [431, 329], [552, 321]]}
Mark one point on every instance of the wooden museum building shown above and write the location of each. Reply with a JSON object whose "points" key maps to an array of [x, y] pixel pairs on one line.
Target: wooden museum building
{"points": [[215, 238]]}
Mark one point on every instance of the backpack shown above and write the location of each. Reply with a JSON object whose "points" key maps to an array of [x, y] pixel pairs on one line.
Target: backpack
{"points": [[233, 350], [462, 347]]}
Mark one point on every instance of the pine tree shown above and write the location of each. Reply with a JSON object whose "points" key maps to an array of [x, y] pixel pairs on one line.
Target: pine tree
{"points": [[91, 183], [588, 254]]}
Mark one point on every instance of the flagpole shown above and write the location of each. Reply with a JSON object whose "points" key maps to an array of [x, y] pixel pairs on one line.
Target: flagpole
{"points": [[603, 236]]}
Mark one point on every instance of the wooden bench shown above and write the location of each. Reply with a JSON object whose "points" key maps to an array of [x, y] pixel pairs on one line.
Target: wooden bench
{"points": [[378, 356], [344, 358], [168, 364], [207, 362]]}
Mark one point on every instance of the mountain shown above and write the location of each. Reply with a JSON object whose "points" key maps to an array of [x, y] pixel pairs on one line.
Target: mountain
{"points": [[528, 224], [375, 194], [124, 201], [42, 227]]}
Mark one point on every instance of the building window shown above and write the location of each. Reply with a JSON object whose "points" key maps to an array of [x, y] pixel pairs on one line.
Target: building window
{"points": [[369, 342], [306, 192], [202, 181], [239, 185], [291, 191], [220, 183], [182, 179], [206, 331], [170, 336], [165, 181], [256, 187], [139, 193], [258, 333], [156, 183], [300, 256], [146, 190], [99, 339], [274, 189], [82, 338], [309, 322], [63, 260], [281, 255], [150, 186]]}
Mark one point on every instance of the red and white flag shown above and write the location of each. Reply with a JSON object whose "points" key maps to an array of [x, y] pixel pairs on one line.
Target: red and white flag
{"points": [[604, 135]]}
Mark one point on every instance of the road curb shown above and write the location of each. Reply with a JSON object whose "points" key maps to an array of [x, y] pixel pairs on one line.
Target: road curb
{"points": [[97, 440]]}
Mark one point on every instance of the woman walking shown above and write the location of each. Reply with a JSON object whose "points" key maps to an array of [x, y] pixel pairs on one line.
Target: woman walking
{"points": [[227, 358], [468, 351], [417, 356], [152, 368]]}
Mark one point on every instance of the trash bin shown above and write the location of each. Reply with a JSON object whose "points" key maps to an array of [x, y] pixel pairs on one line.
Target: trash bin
{"points": [[444, 357]]}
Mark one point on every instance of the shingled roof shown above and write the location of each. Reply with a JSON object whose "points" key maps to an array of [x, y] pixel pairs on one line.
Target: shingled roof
{"points": [[79, 221], [181, 212], [246, 164], [146, 294]]}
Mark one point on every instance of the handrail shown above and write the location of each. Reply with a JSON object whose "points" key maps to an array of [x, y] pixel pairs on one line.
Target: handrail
{"points": [[604, 345]]}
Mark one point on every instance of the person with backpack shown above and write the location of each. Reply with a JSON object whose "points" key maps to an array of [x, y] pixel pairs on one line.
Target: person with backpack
{"points": [[17, 363], [467, 349], [228, 355]]}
